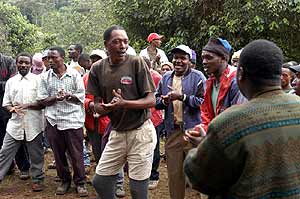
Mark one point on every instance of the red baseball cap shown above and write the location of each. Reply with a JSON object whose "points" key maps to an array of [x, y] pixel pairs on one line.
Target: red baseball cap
{"points": [[153, 36]]}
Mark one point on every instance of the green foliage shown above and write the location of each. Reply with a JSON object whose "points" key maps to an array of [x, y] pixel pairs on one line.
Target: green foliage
{"points": [[17, 34], [65, 22], [192, 22], [80, 22]]}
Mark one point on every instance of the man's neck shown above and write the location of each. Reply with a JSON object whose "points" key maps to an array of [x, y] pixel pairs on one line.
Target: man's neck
{"points": [[117, 60], [259, 91], [60, 70], [152, 48], [287, 87], [219, 73], [75, 59]]}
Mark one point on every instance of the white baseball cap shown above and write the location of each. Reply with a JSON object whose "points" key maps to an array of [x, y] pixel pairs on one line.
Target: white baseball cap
{"points": [[183, 48], [98, 52]]}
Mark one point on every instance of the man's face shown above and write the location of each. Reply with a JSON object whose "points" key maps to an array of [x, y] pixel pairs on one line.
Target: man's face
{"points": [[165, 68], [117, 44], [95, 58], [55, 59], [23, 65], [285, 77], [211, 62], [73, 53], [297, 86], [46, 63], [235, 62], [181, 62], [86, 64], [156, 42]]}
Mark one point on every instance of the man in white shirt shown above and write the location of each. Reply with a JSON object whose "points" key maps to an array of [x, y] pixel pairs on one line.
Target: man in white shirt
{"points": [[153, 53], [25, 124], [75, 50]]}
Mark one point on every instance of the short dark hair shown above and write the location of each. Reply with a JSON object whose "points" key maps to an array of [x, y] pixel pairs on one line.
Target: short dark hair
{"points": [[84, 57], [60, 50], [261, 61], [24, 54], [79, 48], [108, 31]]}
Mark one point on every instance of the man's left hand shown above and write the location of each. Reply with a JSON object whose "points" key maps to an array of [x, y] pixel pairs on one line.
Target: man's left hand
{"points": [[116, 102]]}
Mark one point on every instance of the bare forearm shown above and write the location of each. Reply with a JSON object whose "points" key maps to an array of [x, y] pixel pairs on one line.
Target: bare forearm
{"points": [[49, 101], [139, 104], [35, 106]]}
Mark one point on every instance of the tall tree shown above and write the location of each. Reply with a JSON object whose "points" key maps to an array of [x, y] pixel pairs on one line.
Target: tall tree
{"points": [[17, 34], [193, 21]]}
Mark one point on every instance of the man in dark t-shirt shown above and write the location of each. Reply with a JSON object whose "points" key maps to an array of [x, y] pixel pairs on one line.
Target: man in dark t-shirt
{"points": [[125, 85]]}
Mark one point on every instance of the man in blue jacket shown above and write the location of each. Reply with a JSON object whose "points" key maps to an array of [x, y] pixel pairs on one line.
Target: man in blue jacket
{"points": [[180, 93]]}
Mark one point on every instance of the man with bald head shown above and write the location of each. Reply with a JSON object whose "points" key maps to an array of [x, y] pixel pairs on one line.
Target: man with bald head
{"points": [[251, 149]]}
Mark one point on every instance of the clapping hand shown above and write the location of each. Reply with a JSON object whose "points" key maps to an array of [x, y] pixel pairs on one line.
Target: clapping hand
{"points": [[116, 102], [194, 135], [61, 95]]}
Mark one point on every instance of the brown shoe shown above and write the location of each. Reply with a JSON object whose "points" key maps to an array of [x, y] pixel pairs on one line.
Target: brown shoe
{"points": [[63, 188], [82, 191], [37, 186]]}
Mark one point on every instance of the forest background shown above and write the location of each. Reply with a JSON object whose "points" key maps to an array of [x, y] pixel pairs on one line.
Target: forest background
{"points": [[35, 25]]}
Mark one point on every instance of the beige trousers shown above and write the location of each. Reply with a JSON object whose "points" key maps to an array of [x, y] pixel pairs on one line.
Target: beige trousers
{"points": [[176, 150]]}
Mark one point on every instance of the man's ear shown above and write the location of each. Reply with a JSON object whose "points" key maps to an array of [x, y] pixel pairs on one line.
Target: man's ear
{"points": [[240, 73]]}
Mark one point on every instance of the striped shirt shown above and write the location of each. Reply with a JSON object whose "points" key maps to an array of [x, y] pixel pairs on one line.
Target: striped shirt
{"points": [[23, 90], [64, 114]]}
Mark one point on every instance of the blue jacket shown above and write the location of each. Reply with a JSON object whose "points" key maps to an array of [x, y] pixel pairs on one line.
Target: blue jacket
{"points": [[193, 86]]}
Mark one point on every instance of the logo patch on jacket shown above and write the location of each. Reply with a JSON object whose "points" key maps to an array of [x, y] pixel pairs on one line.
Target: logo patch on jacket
{"points": [[126, 80]]}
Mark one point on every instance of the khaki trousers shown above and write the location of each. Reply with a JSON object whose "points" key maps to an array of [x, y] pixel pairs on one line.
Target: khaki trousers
{"points": [[176, 150]]}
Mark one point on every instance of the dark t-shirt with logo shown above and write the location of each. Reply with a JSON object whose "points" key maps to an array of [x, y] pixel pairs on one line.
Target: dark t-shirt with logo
{"points": [[133, 78]]}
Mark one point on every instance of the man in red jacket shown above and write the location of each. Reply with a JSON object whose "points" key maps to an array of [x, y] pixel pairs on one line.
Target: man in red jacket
{"points": [[95, 125], [221, 87]]}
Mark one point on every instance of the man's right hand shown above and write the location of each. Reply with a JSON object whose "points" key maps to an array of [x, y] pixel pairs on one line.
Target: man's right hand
{"points": [[101, 109], [195, 135], [61, 95]]}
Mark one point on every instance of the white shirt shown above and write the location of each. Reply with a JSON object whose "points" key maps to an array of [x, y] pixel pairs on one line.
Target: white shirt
{"points": [[23, 90], [163, 56], [77, 67]]}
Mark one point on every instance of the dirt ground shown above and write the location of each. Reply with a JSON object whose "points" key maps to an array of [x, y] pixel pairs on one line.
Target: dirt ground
{"points": [[14, 188]]}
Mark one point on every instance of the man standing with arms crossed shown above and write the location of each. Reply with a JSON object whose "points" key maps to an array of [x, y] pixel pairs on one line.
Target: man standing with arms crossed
{"points": [[125, 85]]}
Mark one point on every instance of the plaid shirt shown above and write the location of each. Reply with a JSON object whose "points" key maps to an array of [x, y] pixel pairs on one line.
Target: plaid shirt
{"points": [[64, 114]]}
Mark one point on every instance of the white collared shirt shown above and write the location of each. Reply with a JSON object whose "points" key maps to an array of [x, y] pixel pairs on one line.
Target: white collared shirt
{"points": [[23, 90]]}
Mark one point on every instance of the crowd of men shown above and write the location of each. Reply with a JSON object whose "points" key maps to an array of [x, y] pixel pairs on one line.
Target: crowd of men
{"points": [[231, 132]]}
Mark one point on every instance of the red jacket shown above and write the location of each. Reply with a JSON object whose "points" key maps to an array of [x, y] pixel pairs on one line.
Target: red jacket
{"points": [[89, 119], [156, 115], [229, 94]]}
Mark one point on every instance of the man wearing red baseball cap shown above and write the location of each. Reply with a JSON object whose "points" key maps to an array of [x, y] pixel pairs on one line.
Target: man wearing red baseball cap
{"points": [[153, 53]]}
